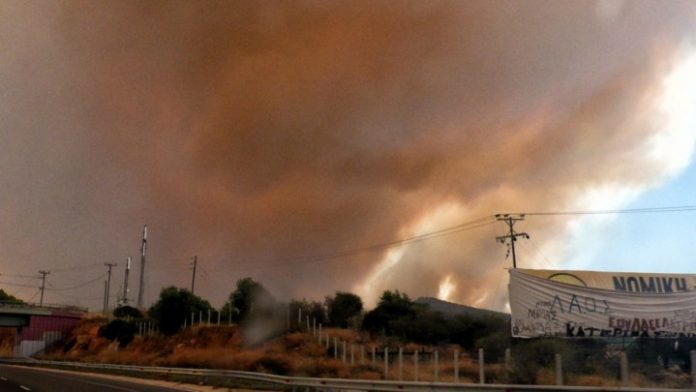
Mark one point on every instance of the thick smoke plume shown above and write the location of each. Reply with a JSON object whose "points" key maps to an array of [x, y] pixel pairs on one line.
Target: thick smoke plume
{"points": [[261, 134]]}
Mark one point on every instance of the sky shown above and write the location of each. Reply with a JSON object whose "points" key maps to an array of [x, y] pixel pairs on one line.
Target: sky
{"points": [[281, 141]]}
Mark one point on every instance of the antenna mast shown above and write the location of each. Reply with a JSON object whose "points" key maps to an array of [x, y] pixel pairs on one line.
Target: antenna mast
{"points": [[124, 300]]}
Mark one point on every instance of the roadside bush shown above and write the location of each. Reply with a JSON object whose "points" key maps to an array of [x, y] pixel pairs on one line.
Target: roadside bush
{"points": [[274, 364], [531, 356], [494, 345], [174, 306], [120, 330], [127, 312]]}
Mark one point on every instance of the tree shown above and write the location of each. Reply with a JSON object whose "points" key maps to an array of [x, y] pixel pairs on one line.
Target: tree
{"points": [[343, 309], [314, 310], [174, 306], [127, 312], [249, 297], [4, 297], [393, 309], [120, 330], [426, 327]]}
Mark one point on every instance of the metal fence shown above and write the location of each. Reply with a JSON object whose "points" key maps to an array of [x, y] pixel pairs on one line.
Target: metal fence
{"points": [[319, 384]]}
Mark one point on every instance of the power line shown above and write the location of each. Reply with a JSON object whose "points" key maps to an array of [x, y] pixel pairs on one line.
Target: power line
{"points": [[76, 267], [422, 237], [33, 296], [80, 298], [646, 210], [483, 221], [21, 276], [537, 250], [474, 224], [18, 284], [80, 285], [470, 225], [20, 289]]}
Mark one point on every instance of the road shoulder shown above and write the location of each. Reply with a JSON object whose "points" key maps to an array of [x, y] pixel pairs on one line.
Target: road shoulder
{"points": [[137, 380]]}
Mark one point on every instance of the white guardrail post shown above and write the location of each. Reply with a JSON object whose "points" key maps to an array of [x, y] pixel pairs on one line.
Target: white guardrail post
{"points": [[559, 369], [456, 365], [508, 362], [482, 373], [401, 363], [343, 351], [624, 369], [436, 367]]}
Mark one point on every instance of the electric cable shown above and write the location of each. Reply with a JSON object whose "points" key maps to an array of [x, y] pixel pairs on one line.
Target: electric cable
{"points": [[644, 210], [78, 285], [349, 252]]}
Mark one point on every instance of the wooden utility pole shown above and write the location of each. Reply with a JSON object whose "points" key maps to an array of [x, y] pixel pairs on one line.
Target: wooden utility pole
{"points": [[106, 295], [193, 276], [43, 284], [108, 285], [510, 221]]}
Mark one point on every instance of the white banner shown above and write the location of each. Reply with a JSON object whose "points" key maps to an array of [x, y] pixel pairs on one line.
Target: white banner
{"points": [[620, 281], [569, 308]]}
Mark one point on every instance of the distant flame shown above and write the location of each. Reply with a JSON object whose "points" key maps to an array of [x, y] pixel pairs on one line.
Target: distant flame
{"points": [[446, 288], [445, 215]]}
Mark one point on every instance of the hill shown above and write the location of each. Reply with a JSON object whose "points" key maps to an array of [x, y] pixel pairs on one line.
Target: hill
{"points": [[452, 309]]}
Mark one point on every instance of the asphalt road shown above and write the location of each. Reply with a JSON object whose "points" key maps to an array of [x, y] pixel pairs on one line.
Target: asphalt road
{"points": [[23, 379]]}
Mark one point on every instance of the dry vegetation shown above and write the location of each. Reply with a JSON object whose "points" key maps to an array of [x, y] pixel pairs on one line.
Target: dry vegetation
{"points": [[7, 336], [222, 347], [300, 354]]}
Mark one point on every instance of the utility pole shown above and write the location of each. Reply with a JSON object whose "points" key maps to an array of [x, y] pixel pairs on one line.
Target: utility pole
{"points": [[510, 221], [193, 276], [143, 250], [43, 284], [124, 300], [106, 296], [108, 285]]}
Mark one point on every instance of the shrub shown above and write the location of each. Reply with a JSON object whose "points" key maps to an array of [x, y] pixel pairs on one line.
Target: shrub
{"points": [[174, 306], [274, 364], [120, 330], [127, 312]]}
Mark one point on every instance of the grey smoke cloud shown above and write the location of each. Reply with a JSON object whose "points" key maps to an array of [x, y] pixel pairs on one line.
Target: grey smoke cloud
{"points": [[254, 134]]}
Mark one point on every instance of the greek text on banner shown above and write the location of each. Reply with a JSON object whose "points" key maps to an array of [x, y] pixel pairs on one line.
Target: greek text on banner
{"points": [[561, 303]]}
